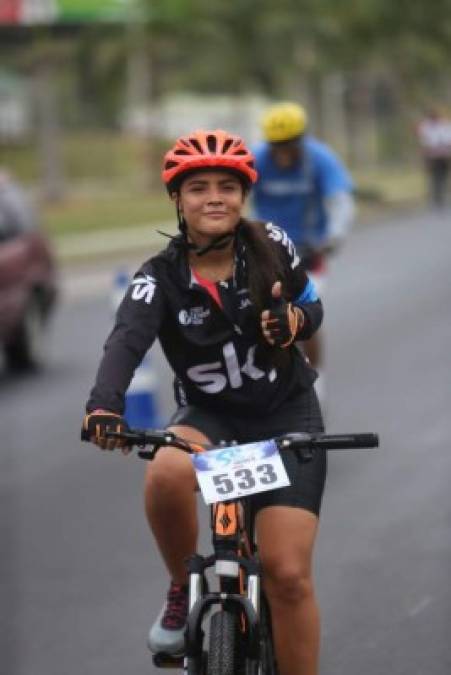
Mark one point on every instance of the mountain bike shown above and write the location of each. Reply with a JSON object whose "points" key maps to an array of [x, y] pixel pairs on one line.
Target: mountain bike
{"points": [[229, 630]]}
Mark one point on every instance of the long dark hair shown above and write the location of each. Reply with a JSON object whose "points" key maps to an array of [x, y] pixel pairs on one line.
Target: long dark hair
{"points": [[264, 268]]}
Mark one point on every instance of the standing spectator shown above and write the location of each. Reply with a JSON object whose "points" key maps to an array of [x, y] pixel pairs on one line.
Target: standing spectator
{"points": [[304, 188], [434, 136]]}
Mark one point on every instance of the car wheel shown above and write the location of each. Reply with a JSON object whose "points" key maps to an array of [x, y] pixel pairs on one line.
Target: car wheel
{"points": [[26, 351]]}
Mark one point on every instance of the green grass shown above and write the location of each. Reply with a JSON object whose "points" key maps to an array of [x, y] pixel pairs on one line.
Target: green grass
{"points": [[392, 185], [90, 156], [104, 212], [104, 208], [108, 177]]}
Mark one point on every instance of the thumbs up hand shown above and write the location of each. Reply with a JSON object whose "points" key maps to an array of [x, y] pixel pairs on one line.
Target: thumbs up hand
{"points": [[281, 323]]}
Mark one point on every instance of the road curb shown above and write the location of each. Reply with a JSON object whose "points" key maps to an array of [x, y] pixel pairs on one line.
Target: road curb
{"points": [[87, 246]]}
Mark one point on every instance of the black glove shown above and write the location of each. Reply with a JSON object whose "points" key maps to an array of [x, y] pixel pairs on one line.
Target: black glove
{"points": [[96, 423], [284, 322]]}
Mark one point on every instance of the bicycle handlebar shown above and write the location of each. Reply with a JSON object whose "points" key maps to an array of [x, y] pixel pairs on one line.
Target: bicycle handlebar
{"points": [[295, 441], [316, 441]]}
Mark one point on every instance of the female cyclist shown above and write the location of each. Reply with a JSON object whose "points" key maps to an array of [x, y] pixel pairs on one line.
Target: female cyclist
{"points": [[227, 299]]}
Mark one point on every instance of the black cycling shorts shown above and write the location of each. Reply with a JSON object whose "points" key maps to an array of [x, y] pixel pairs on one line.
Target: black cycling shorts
{"points": [[301, 413]]}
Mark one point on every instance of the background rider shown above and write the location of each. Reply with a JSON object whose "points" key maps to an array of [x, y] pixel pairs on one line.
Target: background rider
{"points": [[304, 188]]}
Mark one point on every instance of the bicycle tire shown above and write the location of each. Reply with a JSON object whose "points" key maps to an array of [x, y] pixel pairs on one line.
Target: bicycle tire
{"points": [[196, 666], [268, 665], [223, 644]]}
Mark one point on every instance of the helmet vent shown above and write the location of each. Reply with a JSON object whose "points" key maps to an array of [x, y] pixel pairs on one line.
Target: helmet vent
{"points": [[207, 149], [195, 143], [211, 143], [227, 145]]}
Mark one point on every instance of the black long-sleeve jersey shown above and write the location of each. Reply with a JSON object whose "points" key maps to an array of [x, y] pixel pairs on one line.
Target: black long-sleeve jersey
{"points": [[214, 352]]}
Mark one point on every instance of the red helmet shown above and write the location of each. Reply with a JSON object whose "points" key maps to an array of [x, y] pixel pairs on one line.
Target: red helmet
{"points": [[208, 149]]}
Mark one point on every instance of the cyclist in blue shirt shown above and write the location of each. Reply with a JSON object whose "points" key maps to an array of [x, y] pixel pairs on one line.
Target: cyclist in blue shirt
{"points": [[304, 188]]}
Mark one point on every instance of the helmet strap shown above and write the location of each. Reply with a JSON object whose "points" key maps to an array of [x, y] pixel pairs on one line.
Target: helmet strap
{"points": [[217, 244], [180, 219]]}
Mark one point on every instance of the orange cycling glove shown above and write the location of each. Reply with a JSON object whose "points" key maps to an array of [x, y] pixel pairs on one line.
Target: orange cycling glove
{"points": [[96, 423], [284, 322]]}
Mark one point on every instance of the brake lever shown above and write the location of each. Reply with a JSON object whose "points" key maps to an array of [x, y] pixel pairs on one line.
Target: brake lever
{"points": [[304, 455], [148, 454]]}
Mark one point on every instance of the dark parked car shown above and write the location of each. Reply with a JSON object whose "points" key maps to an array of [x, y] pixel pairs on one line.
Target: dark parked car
{"points": [[28, 285]]}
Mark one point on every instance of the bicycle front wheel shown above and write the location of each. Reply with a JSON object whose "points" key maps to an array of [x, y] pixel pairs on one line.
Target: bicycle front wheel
{"points": [[223, 652], [268, 665]]}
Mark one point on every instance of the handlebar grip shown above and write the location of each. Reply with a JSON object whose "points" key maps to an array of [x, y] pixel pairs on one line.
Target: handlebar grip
{"points": [[345, 441], [130, 438], [140, 437]]}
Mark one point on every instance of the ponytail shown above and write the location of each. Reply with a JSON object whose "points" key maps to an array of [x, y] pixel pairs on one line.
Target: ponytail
{"points": [[264, 268]]}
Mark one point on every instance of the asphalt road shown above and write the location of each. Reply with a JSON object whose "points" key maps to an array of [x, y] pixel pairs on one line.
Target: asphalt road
{"points": [[80, 577]]}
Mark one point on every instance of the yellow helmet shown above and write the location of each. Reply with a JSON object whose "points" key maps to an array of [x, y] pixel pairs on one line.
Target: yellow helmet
{"points": [[284, 122]]}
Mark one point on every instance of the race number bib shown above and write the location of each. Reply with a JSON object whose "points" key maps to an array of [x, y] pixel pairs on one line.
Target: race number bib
{"points": [[239, 470]]}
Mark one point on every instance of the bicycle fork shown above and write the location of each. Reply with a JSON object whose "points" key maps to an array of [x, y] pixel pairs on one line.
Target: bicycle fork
{"points": [[239, 583], [227, 567]]}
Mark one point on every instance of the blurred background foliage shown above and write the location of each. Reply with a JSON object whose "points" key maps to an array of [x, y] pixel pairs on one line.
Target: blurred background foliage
{"points": [[101, 98]]}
